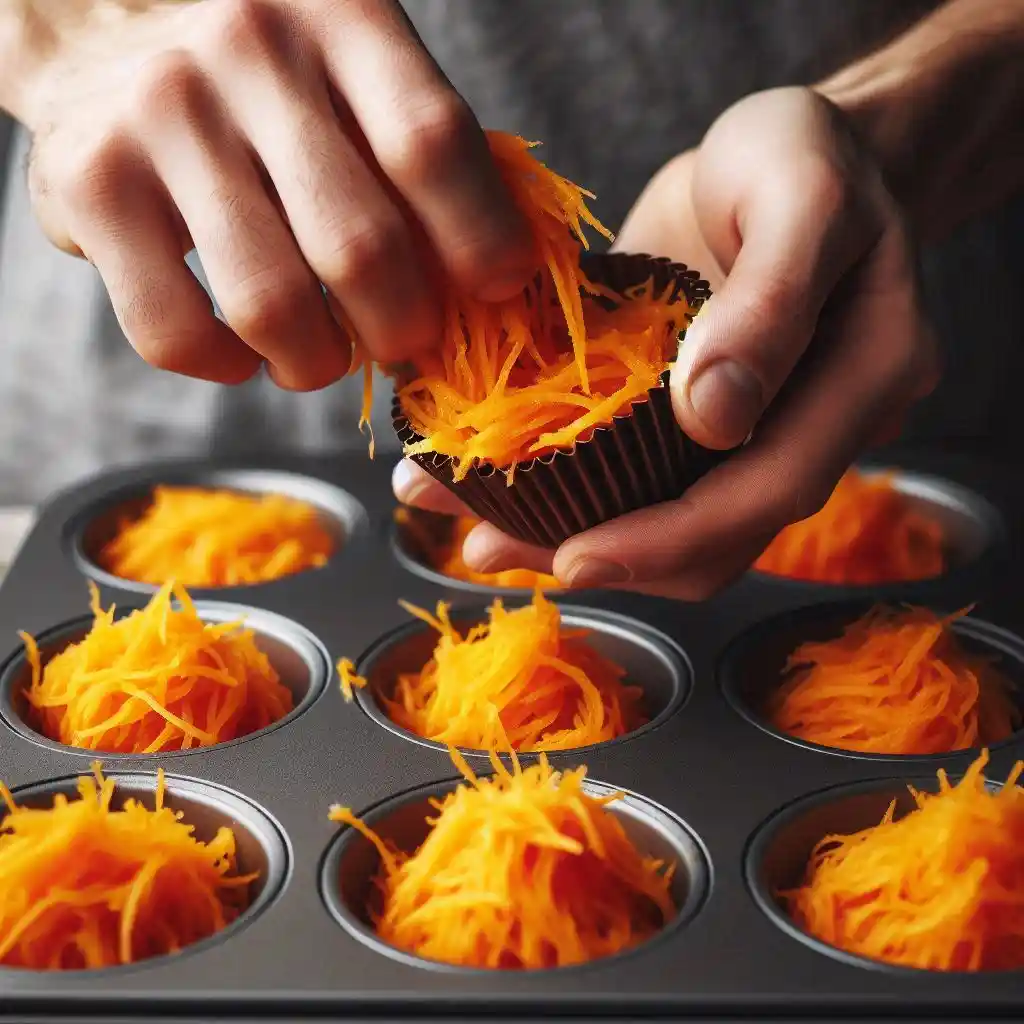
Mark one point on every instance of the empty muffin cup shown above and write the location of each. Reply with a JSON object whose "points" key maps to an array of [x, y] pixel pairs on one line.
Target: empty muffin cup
{"points": [[300, 660], [651, 661], [352, 863], [641, 458]]}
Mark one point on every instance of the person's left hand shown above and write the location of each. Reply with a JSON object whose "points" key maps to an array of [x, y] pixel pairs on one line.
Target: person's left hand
{"points": [[814, 335]]}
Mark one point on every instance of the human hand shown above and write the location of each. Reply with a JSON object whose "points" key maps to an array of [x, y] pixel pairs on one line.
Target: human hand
{"points": [[291, 142], [814, 336]]}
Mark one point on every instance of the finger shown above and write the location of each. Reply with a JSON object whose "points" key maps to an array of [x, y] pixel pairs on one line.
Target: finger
{"points": [[865, 372], [267, 293], [351, 234], [487, 549], [414, 487], [802, 230], [122, 220], [430, 146]]}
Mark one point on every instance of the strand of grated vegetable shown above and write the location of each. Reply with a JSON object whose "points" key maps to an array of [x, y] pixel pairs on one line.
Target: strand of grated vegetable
{"points": [[158, 679], [941, 888], [895, 682], [524, 869], [511, 381], [518, 680], [85, 886]]}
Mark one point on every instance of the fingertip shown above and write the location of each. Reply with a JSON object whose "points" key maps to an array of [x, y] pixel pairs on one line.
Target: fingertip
{"points": [[487, 549], [414, 487], [719, 404]]}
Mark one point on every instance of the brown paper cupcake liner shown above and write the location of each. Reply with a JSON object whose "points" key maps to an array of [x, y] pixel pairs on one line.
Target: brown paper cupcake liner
{"points": [[641, 458]]}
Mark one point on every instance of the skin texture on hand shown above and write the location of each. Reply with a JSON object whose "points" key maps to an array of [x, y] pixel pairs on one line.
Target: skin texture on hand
{"points": [[814, 339], [292, 143]]}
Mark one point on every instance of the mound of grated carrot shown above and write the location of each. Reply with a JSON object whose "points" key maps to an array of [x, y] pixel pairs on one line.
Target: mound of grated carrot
{"points": [[217, 538], [866, 533], [441, 550], [519, 379], [895, 682], [86, 886], [519, 680], [941, 888], [525, 869], [158, 679]]}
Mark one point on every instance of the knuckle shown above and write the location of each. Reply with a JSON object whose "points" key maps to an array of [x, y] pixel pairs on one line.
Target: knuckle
{"points": [[258, 309], [774, 301], [826, 187], [362, 255], [242, 29], [434, 136], [92, 177], [170, 86]]}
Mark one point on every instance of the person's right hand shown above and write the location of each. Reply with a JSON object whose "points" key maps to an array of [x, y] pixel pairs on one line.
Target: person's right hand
{"points": [[291, 142]]}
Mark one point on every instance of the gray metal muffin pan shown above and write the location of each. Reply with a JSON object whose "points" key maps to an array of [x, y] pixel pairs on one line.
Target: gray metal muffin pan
{"points": [[707, 784]]}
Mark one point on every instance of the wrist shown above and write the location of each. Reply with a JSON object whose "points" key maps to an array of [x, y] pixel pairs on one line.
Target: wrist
{"points": [[942, 111], [39, 36]]}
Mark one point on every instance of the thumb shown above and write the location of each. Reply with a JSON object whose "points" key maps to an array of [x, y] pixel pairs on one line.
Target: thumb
{"points": [[799, 239]]}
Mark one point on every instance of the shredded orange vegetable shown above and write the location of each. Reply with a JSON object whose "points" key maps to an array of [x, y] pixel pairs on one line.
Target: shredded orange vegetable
{"points": [[158, 679], [441, 549], [217, 538], [895, 682], [524, 869], [518, 680], [86, 886], [941, 888], [515, 380], [867, 533]]}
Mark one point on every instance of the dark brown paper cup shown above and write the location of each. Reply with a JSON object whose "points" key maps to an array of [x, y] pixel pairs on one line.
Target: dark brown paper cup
{"points": [[640, 459]]}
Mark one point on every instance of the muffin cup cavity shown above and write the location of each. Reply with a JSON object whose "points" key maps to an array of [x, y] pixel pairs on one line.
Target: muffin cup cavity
{"points": [[261, 845], [341, 515], [752, 667], [299, 658], [640, 459], [652, 662], [971, 526], [777, 856], [351, 864]]}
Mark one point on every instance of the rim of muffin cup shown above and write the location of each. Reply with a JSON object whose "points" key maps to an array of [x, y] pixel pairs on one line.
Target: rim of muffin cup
{"points": [[653, 662], [777, 854], [261, 845], [300, 659], [350, 863], [339, 512], [750, 668]]}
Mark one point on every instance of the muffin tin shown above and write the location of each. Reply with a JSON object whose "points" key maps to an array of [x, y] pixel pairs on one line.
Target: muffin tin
{"points": [[707, 783]]}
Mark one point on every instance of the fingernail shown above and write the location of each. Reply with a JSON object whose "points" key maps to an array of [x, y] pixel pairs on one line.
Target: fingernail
{"points": [[595, 572], [727, 398], [406, 483]]}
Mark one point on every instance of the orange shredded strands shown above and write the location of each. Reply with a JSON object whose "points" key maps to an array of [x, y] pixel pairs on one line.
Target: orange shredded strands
{"points": [[514, 380], [866, 533], [217, 538], [441, 550], [518, 680], [158, 679], [86, 886], [895, 682], [524, 869], [940, 889]]}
